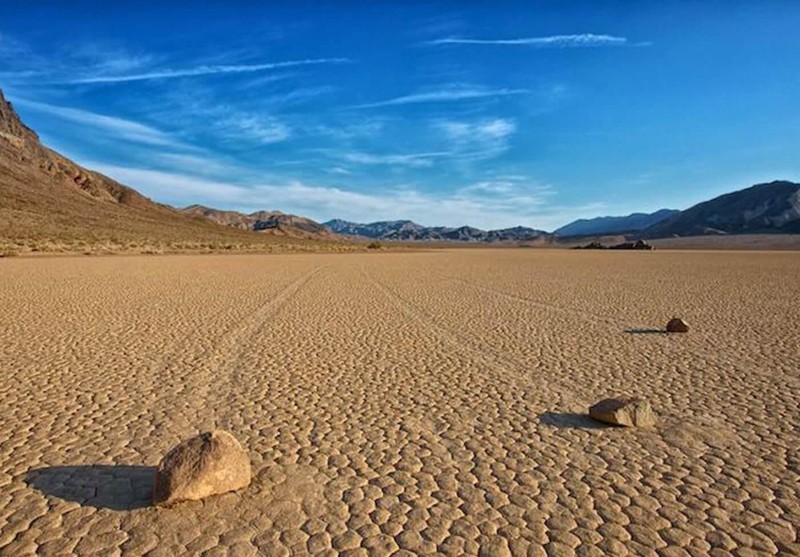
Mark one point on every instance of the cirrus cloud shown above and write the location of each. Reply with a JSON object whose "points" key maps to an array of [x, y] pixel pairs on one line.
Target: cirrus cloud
{"points": [[203, 70], [585, 40], [447, 94]]}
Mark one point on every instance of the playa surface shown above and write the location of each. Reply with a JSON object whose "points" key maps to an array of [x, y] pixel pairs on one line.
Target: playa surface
{"points": [[404, 404]]}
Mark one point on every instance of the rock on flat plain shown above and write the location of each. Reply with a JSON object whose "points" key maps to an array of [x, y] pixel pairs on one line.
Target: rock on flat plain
{"points": [[208, 464], [426, 402], [629, 412]]}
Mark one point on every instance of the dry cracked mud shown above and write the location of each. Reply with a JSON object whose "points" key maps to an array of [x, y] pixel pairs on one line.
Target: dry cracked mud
{"points": [[404, 404]]}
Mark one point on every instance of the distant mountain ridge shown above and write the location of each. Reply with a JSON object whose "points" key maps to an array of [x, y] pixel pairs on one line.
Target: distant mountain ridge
{"points": [[274, 221], [767, 208], [372, 230], [406, 230], [772, 207], [614, 225], [45, 197]]}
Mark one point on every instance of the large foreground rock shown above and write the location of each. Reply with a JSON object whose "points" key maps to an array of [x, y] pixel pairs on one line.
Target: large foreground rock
{"points": [[631, 412], [208, 464], [677, 325]]}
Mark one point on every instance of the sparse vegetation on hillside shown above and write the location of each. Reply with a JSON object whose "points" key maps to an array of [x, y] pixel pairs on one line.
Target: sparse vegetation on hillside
{"points": [[50, 204]]}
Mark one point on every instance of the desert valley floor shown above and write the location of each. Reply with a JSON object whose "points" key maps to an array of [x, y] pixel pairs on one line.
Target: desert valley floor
{"points": [[404, 403]]}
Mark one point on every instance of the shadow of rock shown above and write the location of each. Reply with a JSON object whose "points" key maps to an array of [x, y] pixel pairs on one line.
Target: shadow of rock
{"points": [[119, 488], [571, 420], [646, 331]]}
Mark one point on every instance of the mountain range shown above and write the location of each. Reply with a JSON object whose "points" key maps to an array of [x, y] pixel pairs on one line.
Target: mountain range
{"points": [[407, 230], [259, 221], [767, 208], [772, 207], [614, 225], [45, 198]]}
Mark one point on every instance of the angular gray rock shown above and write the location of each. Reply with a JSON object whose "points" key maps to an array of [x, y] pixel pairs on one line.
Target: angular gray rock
{"points": [[630, 412], [207, 464], [677, 325]]}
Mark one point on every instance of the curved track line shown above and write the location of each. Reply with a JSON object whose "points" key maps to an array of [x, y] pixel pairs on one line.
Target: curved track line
{"points": [[544, 305], [191, 378], [238, 346], [711, 357], [510, 368]]}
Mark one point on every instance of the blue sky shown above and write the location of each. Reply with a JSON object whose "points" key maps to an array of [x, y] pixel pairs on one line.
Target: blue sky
{"points": [[447, 113]]}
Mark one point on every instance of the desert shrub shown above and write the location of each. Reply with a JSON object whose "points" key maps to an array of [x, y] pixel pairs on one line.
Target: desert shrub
{"points": [[374, 245]]}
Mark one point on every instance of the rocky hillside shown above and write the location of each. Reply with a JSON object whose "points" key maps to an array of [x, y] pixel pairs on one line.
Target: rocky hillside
{"points": [[614, 225], [375, 229], [773, 207], [48, 202], [261, 221], [406, 230], [22, 152]]}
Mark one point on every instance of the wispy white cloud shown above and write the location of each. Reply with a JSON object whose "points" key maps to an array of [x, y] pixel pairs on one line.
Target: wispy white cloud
{"points": [[449, 94], [257, 81], [170, 187], [202, 113], [492, 186], [252, 127], [103, 58], [511, 190], [413, 159], [464, 141], [497, 128], [21, 62], [300, 94], [585, 40], [118, 128], [190, 164], [347, 130], [339, 170], [11, 47], [18, 61], [203, 70], [484, 205], [479, 139]]}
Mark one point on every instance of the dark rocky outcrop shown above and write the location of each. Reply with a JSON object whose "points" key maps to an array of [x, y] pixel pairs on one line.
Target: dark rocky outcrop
{"points": [[637, 245]]}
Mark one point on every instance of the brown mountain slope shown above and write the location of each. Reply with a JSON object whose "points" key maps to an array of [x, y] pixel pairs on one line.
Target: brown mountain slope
{"points": [[264, 221], [770, 208], [48, 202]]}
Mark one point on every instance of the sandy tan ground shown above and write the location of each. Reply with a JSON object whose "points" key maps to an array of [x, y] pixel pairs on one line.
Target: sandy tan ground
{"points": [[404, 403]]}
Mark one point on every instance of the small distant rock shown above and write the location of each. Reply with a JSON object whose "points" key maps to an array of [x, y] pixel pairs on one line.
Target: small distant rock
{"points": [[630, 412], [207, 464], [677, 325]]}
